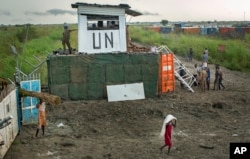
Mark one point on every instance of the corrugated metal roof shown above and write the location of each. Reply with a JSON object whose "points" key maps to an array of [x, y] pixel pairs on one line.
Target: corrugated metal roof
{"points": [[123, 6], [132, 12], [76, 5]]}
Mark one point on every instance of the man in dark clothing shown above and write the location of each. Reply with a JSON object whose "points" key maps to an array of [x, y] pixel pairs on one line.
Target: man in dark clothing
{"points": [[220, 78], [190, 54], [216, 80], [66, 38], [208, 78], [195, 74], [182, 74]]}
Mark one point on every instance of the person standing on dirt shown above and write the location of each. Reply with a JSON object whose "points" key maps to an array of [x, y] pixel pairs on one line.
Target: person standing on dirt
{"points": [[182, 74], [204, 59], [216, 80], [220, 78], [167, 128], [41, 106], [66, 38], [206, 51], [195, 74], [190, 54], [208, 78], [202, 78]]}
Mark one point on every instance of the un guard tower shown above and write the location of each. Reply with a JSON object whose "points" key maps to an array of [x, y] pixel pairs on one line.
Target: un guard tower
{"points": [[105, 65], [102, 28]]}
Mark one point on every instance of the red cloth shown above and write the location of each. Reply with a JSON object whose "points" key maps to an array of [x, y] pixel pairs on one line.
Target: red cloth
{"points": [[41, 115], [168, 135]]}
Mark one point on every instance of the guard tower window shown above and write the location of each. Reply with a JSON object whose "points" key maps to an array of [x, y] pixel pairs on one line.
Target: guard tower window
{"points": [[102, 22]]}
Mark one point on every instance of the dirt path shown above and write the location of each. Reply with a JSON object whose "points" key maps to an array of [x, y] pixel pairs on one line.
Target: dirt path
{"points": [[207, 123]]}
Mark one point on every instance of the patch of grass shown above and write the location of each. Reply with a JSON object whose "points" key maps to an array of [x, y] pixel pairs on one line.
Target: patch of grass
{"points": [[236, 55], [16, 142], [43, 39]]}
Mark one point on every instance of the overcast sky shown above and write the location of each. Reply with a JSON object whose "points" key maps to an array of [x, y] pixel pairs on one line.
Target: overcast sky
{"points": [[60, 11]]}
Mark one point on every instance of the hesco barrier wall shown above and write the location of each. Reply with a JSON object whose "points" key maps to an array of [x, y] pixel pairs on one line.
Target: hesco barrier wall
{"points": [[85, 76]]}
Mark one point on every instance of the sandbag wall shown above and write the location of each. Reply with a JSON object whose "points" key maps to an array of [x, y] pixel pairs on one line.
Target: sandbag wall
{"points": [[85, 76]]}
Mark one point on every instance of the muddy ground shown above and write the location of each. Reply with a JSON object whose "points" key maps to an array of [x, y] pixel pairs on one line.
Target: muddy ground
{"points": [[207, 123]]}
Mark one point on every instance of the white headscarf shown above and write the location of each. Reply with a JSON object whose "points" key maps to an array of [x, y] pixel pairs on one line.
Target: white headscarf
{"points": [[167, 119]]}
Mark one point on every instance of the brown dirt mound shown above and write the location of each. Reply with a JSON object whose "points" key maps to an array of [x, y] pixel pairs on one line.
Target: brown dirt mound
{"points": [[207, 123]]}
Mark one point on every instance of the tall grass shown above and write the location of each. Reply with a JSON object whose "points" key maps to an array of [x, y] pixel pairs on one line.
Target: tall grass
{"points": [[235, 57], [43, 39]]}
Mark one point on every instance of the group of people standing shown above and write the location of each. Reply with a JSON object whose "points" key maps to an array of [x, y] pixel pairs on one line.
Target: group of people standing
{"points": [[202, 75], [204, 56]]}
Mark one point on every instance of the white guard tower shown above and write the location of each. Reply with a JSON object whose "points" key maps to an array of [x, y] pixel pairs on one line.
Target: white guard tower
{"points": [[102, 28]]}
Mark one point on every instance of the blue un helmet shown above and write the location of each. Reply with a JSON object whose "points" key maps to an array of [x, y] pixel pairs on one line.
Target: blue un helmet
{"points": [[65, 25]]}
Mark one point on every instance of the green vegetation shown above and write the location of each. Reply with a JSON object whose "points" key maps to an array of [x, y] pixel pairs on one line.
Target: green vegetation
{"points": [[235, 57], [33, 41], [164, 22]]}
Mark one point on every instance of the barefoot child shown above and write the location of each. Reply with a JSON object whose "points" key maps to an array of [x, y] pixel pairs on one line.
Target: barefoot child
{"points": [[166, 131], [41, 106]]}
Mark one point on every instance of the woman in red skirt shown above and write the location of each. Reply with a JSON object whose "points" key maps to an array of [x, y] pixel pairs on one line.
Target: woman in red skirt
{"points": [[166, 131]]}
